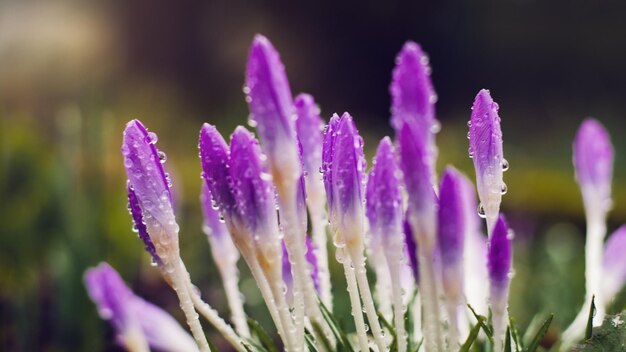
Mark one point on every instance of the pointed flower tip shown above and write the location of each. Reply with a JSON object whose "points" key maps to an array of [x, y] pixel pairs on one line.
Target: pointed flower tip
{"points": [[383, 197], [451, 217], [147, 178], [593, 157], [485, 140], [270, 101], [251, 184], [413, 96], [343, 166], [499, 255]]}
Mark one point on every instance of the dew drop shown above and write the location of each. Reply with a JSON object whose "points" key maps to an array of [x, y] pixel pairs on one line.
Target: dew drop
{"points": [[135, 229], [469, 123], [470, 152], [152, 138], [504, 189], [505, 165], [162, 157], [251, 122], [153, 262], [435, 127], [481, 211]]}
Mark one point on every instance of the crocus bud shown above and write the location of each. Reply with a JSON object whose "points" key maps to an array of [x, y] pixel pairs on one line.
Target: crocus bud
{"points": [[344, 167], [412, 93], [411, 249], [214, 157], [499, 259], [383, 197], [614, 265], [593, 161], [251, 186], [136, 321], [222, 247], [139, 226], [452, 230], [309, 127], [149, 183], [272, 110], [485, 139]]}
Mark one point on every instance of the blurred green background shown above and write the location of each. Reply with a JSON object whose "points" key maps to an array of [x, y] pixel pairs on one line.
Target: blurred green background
{"points": [[73, 72]]}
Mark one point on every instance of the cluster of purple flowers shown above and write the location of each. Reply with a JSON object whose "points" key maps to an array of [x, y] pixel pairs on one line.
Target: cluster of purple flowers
{"points": [[259, 197]]}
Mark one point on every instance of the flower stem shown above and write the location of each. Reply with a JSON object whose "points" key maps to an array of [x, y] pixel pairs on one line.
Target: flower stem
{"points": [[398, 304], [355, 301], [433, 341], [318, 229], [230, 279]]}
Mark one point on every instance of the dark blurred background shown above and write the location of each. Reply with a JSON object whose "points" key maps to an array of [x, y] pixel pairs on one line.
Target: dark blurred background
{"points": [[73, 72]]}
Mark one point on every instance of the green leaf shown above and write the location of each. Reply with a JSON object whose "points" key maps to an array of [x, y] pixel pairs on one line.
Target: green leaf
{"points": [[472, 337], [212, 346], [611, 336], [592, 313], [507, 340], [391, 330], [519, 344], [262, 335], [310, 343], [408, 319], [482, 322], [534, 344], [319, 332], [343, 344]]}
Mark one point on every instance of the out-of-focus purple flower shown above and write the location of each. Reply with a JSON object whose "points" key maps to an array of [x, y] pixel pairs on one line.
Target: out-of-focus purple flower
{"points": [[271, 107], [309, 127], [451, 219], [222, 246], [499, 258], [287, 276], [485, 139], [135, 320], [413, 96], [593, 161], [149, 183], [139, 226], [214, 157], [344, 167], [251, 185], [411, 250], [383, 197], [614, 265]]}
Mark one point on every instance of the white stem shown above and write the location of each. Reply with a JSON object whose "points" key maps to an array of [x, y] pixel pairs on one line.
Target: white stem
{"points": [[230, 280], [366, 295], [278, 290], [214, 319], [384, 286], [398, 304], [433, 339], [500, 322], [134, 340], [355, 302], [418, 332], [320, 238], [453, 325], [180, 280]]}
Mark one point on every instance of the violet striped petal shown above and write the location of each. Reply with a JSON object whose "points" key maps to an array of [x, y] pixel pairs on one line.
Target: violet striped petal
{"points": [[271, 106], [499, 257], [126, 311], [251, 186], [413, 96], [452, 226], [383, 197], [139, 225], [346, 171], [214, 157], [148, 179], [309, 127], [328, 147], [593, 161], [485, 139], [311, 259], [614, 265], [213, 222], [411, 249]]}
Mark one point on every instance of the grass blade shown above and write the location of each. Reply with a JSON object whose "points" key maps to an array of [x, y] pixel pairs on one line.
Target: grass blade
{"points": [[534, 344], [472, 337], [262, 335], [592, 313]]}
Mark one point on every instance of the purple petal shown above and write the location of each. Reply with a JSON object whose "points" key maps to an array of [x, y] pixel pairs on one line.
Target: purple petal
{"points": [[328, 148], [253, 191], [147, 177], [593, 158], [346, 167], [411, 249], [614, 264], [108, 291], [413, 96], [139, 225], [269, 98], [383, 197], [309, 127], [311, 259], [485, 138], [499, 256], [452, 227], [214, 157], [212, 219]]}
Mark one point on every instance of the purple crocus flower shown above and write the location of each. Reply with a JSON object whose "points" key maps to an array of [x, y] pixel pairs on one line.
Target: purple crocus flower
{"points": [[499, 260], [136, 321], [149, 189], [485, 138], [251, 186], [593, 161], [411, 249], [614, 265], [272, 110], [287, 276], [139, 226], [344, 167], [222, 247], [309, 127]]}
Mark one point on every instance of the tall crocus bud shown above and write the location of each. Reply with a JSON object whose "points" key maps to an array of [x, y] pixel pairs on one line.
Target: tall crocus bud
{"points": [[147, 181], [139, 226], [384, 211], [499, 260], [137, 323], [452, 231], [593, 162], [485, 139], [272, 110], [614, 265]]}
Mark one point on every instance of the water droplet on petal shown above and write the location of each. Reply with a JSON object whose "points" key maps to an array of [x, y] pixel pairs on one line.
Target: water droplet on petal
{"points": [[505, 164], [481, 211], [504, 189], [162, 157]]}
